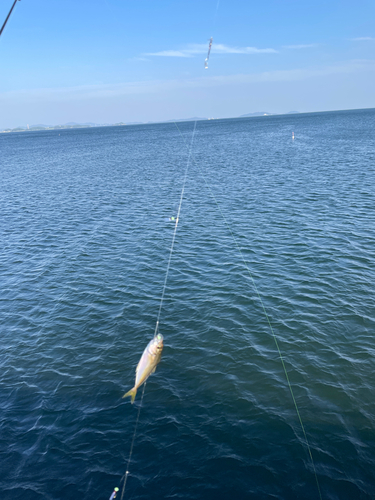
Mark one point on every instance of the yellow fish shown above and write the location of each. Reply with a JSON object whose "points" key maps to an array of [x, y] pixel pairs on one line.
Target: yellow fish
{"points": [[147, 364]]}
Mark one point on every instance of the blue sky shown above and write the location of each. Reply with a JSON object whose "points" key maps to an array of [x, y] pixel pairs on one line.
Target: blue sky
{"points": [[143, 60]]}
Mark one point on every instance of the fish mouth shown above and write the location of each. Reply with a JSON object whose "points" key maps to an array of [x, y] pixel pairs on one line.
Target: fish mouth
{"points": [[159, 340]]}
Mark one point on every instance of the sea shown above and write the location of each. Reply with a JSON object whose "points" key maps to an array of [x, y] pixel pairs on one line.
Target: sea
{"points": [[266, 386]]}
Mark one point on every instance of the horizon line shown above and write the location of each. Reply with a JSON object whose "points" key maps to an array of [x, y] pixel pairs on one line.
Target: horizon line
{"points": [[256, 114]]}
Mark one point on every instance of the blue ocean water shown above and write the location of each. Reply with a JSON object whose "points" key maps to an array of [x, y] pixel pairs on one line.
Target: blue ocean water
{"points": [[84, 250]]}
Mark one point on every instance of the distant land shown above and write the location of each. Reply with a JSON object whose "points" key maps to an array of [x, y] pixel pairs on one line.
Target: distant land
{"points": [[71, 125], [265, 113], [193, 119], [258, 113], [31, 128]]}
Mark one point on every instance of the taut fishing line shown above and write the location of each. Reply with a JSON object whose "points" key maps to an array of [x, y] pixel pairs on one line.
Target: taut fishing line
{"points": [[126, 474], [175, 229], [265, 313]]}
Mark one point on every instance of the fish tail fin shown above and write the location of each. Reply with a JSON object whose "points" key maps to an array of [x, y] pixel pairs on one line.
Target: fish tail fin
{"points": [[131, 393]]}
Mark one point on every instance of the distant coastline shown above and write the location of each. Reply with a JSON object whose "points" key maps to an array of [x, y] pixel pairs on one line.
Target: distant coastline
{"points": [[72, 125], [33, 128]]}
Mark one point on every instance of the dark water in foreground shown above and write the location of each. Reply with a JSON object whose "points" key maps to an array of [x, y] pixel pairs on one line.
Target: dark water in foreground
{"points": [[84, 250]]}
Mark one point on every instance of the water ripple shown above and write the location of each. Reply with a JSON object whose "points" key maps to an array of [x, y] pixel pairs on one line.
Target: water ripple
{"points": [[84, 248]]}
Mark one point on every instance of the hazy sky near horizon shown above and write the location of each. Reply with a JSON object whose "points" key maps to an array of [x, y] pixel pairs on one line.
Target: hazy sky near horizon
{"points": [[118, 60]]}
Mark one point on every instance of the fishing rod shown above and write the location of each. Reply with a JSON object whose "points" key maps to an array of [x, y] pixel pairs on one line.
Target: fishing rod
{"points": [[8, 16]]}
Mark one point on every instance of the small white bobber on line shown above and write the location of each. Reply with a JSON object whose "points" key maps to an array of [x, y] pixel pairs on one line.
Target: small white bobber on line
{"points": [[293, 135]]}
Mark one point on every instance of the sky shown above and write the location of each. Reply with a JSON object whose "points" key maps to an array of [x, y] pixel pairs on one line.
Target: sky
{"points": [[113, 61]]}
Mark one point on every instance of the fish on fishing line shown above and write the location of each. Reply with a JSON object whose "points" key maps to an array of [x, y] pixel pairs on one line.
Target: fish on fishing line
{"points": [[147, 364]]}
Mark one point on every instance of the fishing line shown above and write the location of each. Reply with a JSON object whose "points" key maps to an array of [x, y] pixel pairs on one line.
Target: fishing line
{"points": [[175, 229], [216, 11], [265, 313], [125, 476]]}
